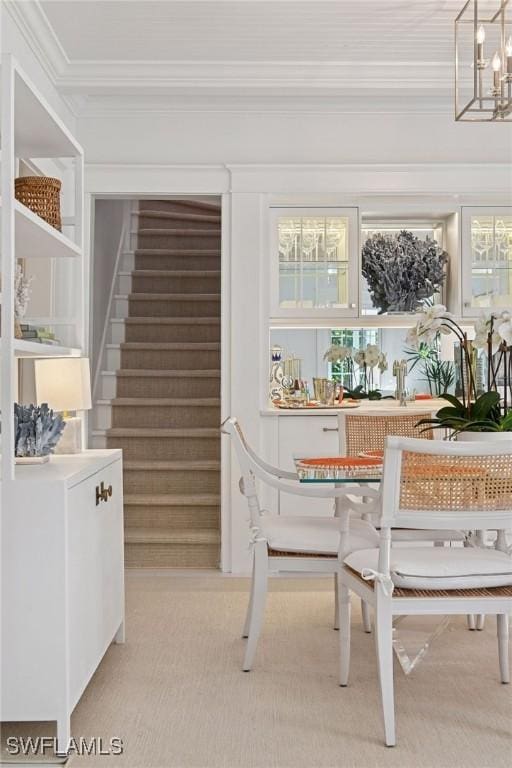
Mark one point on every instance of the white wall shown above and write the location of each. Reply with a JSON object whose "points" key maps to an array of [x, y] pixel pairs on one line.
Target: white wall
{"points": [[292, 138], [109, 218]]}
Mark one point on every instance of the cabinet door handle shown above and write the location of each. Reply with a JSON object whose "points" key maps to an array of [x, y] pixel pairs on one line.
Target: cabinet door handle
{"points": [[329, 429], [102, 493]]}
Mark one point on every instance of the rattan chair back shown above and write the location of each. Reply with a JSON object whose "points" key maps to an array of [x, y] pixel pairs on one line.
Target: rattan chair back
{"points": [[368, 432]]}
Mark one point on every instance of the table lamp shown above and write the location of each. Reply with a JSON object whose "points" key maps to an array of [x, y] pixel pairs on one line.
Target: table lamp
{"points": [[65, 384]]}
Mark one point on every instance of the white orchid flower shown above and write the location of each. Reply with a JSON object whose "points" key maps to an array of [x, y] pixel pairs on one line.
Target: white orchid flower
{"points": [[359, 357], [505, 331], [372, 355], [383, 362], [336, 353]]}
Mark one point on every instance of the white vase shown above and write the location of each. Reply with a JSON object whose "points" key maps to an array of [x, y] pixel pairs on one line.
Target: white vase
{"points": [[484, 437]]}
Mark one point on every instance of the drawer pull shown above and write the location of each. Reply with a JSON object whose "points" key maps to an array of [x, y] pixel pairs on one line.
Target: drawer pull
{"points": [[102, 493], [329, 429]]}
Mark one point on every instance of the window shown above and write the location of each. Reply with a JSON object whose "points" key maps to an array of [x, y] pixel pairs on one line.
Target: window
{"points": [[354, 339]]}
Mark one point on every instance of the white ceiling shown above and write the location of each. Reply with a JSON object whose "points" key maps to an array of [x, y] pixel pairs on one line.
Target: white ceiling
{"points": [[233, 30], [107, 56]]}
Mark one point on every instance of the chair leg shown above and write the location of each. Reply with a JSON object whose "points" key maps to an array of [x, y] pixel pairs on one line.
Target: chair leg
{"points": [[502, 620], [367, 617], [258, 602], [344, 613], [480, 621], [247, 622], [336, 603], [471, 621], [384, 645]]}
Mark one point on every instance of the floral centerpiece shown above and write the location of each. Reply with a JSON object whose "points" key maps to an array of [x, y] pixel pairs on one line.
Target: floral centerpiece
{"points": [[366, 361], [402, 271], [488, 412]]}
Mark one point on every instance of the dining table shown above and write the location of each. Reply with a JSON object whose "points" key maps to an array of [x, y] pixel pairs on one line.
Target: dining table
{"points": [[365, 471]]}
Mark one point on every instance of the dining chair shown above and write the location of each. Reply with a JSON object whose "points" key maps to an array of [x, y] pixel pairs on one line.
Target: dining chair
{"points": [[296, 544], [359, 433], [432, 485]]}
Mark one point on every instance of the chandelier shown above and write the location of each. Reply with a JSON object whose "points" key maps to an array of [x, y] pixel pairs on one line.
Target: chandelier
{"points": [[483, 61]]}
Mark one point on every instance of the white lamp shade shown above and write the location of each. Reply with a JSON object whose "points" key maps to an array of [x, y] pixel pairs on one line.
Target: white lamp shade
{"points": [[64, 383]]}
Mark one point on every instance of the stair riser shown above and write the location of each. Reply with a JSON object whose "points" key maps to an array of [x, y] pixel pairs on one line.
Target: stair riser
{"points": [[192, 284], [164, 416], [127, 263], [177, 261], [169, 482], [179, 308], [117, 333], [208, 240], [172, 555], [157, 222], [121, 308], [180, 206], [156, 386], [171, 360], [155, 332], [171, 517], [166, 448]]}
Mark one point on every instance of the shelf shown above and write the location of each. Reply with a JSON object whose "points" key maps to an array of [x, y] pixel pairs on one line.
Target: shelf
{"points": [[24, 348], [51, 137], [35, 238]]}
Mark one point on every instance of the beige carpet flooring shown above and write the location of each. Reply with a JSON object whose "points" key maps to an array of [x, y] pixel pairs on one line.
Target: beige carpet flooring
{"points": [[176, 696]]}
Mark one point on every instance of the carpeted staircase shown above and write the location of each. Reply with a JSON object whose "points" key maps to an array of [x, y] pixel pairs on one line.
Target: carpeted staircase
{"points": [[166, 413]]}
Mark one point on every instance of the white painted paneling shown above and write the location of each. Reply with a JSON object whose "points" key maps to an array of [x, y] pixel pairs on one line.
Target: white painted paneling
{"points": [[365, 30]]}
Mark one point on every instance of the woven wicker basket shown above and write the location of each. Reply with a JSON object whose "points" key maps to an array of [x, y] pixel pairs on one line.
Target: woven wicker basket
{"points": [[42, 195]]}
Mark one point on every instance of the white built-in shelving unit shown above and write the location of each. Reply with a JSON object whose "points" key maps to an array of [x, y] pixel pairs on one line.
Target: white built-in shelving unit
{"points": [[33, 134]]}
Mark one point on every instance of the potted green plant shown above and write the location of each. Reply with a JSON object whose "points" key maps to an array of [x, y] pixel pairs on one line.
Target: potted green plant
{"points": [[472, 417]]}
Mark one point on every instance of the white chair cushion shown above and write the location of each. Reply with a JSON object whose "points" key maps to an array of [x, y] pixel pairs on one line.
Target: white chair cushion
{"points": [[439, 567], [415, 534], [319, 535]]}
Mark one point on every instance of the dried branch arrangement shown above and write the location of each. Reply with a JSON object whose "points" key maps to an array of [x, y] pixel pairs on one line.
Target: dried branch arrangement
{"points": [[402, 270]]}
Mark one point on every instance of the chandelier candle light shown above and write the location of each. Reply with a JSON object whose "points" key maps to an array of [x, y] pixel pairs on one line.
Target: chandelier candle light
{"points": [[483, 63]]}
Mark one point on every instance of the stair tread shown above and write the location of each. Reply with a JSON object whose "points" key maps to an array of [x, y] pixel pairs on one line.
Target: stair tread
{"points": [[169, 320], [172, 466], [151, 402], [170, 536], [197, 204], [166, 345], [161, 432], [172, 499], [149, 372], [195, 273], [172, 296], [181, 232], [177, 251], [178, 215]]}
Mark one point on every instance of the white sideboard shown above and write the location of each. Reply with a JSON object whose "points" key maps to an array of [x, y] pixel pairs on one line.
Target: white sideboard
{"points": [[62, 583]]}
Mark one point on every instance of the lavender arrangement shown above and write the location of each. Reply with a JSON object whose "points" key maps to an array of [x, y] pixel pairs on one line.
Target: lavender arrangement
{"points": [[402, 270], [37, 430]]}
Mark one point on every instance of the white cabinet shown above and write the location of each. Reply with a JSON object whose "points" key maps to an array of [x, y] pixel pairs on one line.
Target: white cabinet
{"points": [[486, 259], [62, 583], [314, 255], [306, 436]]}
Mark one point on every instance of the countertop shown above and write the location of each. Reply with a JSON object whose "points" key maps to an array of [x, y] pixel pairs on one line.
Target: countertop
{"points": [[367, 407]]}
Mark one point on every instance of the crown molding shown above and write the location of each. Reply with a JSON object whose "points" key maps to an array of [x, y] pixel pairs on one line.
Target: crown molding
{"points": [[121, 88], [40, 36], [153, 77]]}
